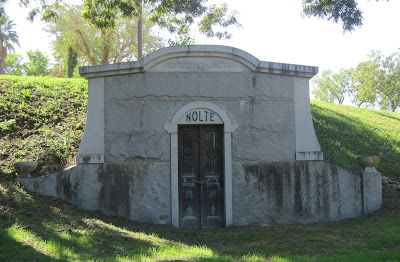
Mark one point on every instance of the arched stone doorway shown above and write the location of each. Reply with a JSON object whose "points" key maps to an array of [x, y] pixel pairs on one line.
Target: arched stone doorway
{"points": [[199, 114]]}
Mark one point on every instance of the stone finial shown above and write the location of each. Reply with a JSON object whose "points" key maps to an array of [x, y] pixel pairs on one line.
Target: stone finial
{"points": [[368, 163], [25, 169]]}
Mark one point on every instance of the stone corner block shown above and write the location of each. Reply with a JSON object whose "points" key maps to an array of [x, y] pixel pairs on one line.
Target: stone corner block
{"points": [[90, 159], [26, 182], [372, 191], [310, 156]]}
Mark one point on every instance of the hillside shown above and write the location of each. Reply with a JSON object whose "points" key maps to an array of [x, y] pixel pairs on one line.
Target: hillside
{"points": [[346, 132], [43, 118]]}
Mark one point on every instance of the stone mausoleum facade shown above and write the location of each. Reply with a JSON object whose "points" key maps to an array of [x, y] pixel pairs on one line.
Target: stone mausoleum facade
{"points": [[206, 136]]}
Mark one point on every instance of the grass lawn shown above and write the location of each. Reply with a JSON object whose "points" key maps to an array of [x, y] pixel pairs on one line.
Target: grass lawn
{"points": [[37, 228]]}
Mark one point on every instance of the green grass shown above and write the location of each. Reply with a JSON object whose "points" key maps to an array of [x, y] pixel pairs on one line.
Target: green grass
{"points": [[42, 119], [346, 132], [38, 228]]}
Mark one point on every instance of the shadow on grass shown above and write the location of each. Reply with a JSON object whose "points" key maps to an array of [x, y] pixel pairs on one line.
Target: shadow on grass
{"points": [[54, 227], [12, 250], [385, 114]]}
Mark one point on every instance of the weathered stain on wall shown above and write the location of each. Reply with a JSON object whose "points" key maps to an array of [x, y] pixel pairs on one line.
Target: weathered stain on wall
{"points": [[296, 192]]}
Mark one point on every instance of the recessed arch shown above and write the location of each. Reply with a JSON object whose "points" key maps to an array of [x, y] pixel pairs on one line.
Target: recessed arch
{"points": [[229, 128]]}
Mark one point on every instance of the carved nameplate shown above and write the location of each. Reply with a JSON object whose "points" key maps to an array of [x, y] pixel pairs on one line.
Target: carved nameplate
{"points": [[199, 64], [200, 116]]}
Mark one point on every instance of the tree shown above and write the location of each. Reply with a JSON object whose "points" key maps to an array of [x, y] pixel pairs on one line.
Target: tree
{"points": [[72, 61], [332, 87], [176, 16], [13, 65], [366, 80], [97, 46], [378, 81], [2, 11], [38, 64], [345, 11], [8, 37]]}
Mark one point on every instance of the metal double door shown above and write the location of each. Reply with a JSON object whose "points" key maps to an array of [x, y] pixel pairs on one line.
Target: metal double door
{"points": [[201, 177]]}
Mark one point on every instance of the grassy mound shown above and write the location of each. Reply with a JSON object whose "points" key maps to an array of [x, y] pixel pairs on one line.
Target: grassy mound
{"points": [[346, 132], [41, 119]]}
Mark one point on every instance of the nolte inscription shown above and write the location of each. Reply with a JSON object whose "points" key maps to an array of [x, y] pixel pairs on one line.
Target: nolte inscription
{"points": [[200, 116], [201, 66]]}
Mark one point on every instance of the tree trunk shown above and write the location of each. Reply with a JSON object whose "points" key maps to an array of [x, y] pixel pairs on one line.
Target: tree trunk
{"points": [[87, 48], [2, 66], [106, 51], [140, 33]]}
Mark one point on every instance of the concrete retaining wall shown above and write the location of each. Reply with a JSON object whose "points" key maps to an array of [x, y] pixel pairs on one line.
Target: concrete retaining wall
{"points": [[263, 192]]}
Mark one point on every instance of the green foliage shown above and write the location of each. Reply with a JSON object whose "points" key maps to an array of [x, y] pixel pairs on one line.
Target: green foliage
{"points": [[378, 80], [218, 16], [2, 11], [182, 39], [8, 38], [373, 82], [176, 16], [38, 64], [96, 46], [345, 11], [72, 61], [346, 132], [366, 81], [13, 65], [41, 118], [332, 87]]}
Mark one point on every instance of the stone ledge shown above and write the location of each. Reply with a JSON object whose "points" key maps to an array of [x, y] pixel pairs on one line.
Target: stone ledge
{"points": [[310, 156], [90, 159]]}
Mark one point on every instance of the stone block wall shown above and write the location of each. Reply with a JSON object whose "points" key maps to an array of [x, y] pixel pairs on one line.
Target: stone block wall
{"points": [[136, 111]]}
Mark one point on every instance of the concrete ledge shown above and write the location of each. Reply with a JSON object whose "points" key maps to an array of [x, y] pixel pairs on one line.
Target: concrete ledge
{"points": [[89, 159], [310, 156]]}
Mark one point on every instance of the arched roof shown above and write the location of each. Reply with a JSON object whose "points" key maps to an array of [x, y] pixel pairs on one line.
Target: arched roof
{"points": [[198, 51]]}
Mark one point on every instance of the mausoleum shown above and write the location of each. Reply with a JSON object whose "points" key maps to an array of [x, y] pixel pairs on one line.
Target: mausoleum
{"points": [[206, 136]]}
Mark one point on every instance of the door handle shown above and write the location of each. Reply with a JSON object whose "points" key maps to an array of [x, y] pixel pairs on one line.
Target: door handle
{"points": [[202, 182]]}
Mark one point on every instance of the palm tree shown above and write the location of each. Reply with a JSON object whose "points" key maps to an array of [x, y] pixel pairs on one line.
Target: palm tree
{"points": [[8, 37]]}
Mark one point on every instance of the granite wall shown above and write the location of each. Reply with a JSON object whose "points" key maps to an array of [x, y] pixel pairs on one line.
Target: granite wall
{"points": [[137, 106], [282, 192]]}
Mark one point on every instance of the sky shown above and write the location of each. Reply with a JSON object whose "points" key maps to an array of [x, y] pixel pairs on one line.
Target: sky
{"points": [[274, 30]]}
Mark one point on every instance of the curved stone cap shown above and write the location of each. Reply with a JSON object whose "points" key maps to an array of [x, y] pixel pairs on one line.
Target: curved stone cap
{"points": [[198, 58]]}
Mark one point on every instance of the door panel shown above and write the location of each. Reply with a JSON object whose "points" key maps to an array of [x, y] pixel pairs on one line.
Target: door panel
{"points": [[189, 200], [201, 189]]}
